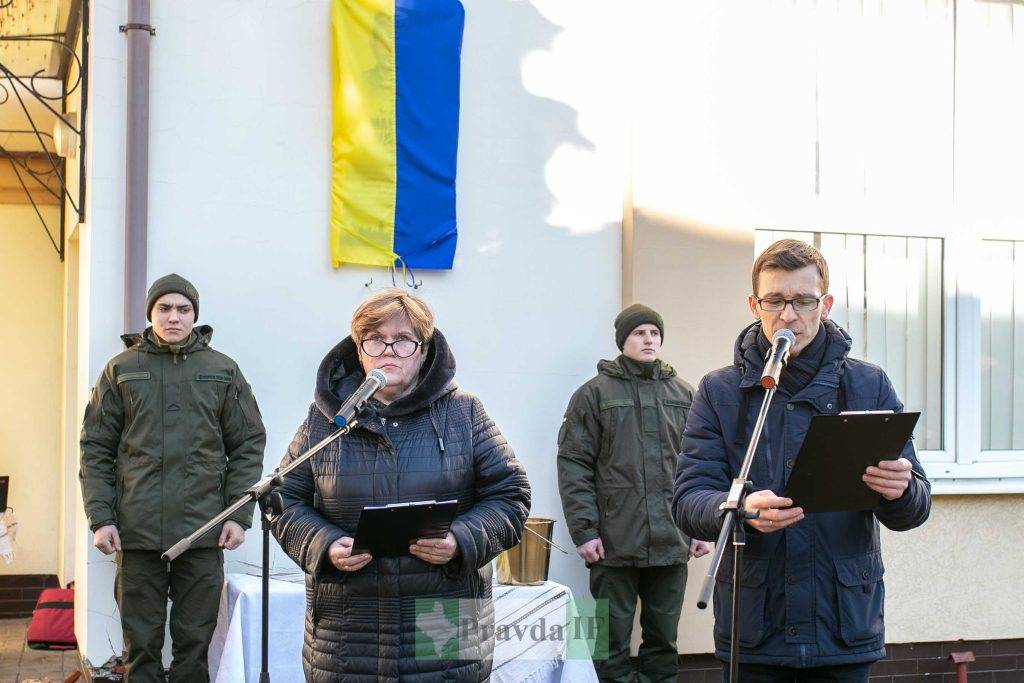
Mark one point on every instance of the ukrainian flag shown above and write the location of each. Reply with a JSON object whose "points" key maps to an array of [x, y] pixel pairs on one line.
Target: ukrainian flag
{"points": [[395, 131]]}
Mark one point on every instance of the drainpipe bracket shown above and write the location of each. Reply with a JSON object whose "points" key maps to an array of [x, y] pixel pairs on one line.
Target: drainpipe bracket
{"points": [[124, 28]]}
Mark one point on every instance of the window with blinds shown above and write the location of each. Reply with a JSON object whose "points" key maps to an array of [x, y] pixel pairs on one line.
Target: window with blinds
{"points": [[1002, 346], [888, 294]]}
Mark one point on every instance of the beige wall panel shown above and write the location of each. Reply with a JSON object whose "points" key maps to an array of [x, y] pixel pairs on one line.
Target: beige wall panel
{"points": [[697, 275], [959, 575], [31, 277], [946, 580], [952, 578]]}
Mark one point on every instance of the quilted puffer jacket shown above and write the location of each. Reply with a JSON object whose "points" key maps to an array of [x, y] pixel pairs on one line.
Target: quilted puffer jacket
{"points": [[436, 443]]}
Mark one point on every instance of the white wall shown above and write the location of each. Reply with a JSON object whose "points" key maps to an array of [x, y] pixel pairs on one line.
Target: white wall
{"points": [[835, 116], [31, 279], [239, 204], [74, 382]]}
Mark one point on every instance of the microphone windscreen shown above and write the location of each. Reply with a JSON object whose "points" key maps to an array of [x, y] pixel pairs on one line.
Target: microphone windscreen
{"points": [[784, 333], [382, 379]]}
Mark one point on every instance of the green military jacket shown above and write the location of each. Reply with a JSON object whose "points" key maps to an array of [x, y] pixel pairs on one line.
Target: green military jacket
{"points": [[171, 436], [617, 452]]}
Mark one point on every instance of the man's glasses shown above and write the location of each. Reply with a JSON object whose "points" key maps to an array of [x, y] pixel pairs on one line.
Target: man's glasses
{"points": [[774, 304], [403, 348]]}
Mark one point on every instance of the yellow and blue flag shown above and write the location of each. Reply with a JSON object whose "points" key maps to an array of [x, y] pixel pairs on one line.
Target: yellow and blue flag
{"points": [[395, 131]]}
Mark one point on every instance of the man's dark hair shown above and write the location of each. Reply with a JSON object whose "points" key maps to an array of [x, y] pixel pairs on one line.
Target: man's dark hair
{"points": [[789, 255]]}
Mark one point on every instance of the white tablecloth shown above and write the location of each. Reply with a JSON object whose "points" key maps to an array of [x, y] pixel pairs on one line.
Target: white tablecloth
{"points": [[519, 655]]}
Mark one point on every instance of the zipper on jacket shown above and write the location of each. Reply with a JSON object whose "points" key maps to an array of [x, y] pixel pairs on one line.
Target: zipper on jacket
{"points": [[437, 430]]}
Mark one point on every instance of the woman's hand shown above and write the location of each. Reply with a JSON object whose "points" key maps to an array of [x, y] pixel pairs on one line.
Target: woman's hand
{"points": [[435, 550], [340, 555]]}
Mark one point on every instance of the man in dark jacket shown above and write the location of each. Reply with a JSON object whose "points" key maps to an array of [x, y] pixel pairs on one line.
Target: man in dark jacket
{"points": [[617, 451], [171, 436], [811, 586]]}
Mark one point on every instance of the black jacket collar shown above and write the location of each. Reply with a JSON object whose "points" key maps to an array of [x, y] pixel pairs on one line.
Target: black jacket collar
{"points": [[748, 358]]}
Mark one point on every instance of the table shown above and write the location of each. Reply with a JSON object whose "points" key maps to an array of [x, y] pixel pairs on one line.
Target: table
{"points": [[520, 614]]}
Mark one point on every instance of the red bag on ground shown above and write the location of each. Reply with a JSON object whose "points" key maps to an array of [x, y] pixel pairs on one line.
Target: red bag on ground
{"points": [[52, 626]]}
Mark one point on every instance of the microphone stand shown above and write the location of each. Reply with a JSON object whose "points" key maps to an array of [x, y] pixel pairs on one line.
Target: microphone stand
{"points": [[734, 514], [263, 492]]}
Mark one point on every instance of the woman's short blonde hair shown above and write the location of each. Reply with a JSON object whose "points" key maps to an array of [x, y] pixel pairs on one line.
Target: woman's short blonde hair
{"points": [[384, 305]]}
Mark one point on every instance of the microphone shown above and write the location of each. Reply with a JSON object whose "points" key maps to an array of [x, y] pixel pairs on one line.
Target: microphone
{"points": [[782, 342], [374, 382]]}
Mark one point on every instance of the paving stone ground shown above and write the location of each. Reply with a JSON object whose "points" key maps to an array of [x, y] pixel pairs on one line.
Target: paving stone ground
{"points": [[19, 664]]}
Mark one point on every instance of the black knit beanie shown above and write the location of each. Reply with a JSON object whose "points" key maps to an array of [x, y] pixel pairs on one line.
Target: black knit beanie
{"points": [[631, 318], [172, 284]]}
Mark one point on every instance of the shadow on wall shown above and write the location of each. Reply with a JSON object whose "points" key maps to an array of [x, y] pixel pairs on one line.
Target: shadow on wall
{"points": [[510, 135], [538, 255], [510, 245]]}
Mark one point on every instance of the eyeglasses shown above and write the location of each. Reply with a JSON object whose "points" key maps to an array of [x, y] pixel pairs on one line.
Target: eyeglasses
{"points": [[775, 304], [403, 348]]}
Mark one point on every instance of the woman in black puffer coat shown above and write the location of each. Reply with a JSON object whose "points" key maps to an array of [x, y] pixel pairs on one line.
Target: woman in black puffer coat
{"points": [[420, 438]]}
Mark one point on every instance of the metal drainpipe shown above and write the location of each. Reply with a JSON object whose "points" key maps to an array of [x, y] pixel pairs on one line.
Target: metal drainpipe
{"points": [[138, 32]]}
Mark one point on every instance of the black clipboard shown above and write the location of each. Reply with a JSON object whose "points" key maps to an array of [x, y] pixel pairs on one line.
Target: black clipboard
{"points": [[387, 530], [835, 453]]}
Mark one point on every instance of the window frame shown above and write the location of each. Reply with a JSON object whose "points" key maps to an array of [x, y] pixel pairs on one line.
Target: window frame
{"points": [[960, 466], [976, 470]]}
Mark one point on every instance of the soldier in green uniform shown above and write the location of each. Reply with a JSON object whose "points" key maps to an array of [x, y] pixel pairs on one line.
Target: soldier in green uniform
{"points": [[617, 452], [171, 436]]}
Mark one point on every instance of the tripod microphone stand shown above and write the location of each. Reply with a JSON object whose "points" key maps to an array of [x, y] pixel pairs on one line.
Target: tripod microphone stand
{"points": [[265, 494]]}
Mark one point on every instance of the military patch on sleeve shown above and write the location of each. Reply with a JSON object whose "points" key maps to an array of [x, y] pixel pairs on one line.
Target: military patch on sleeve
{"points": [[562, 430]]}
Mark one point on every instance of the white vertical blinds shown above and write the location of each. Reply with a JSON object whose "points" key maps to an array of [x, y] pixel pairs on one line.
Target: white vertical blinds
{"points": [[1002, 346], [888, 296]]}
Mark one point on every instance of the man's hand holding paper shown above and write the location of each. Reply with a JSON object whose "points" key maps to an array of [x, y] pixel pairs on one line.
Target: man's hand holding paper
{"points": [[891, 478], [776, 512]]}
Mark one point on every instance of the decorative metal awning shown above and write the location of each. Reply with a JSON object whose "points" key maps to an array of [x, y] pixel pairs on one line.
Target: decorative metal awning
{"points": [[42, 106]]}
